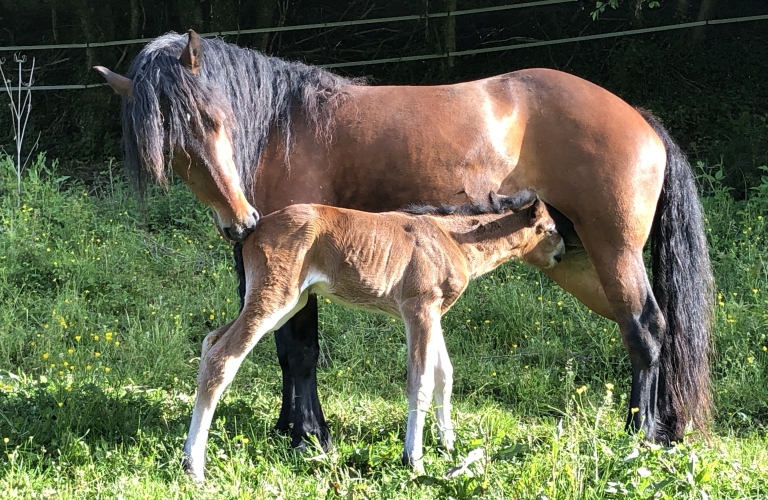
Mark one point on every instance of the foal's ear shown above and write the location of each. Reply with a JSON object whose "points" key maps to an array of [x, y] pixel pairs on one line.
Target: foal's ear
{"points": [[535, 210], [495, 201], [192, 55]]}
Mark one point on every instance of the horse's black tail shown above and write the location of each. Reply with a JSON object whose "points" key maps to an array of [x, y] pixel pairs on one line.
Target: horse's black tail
{"points": [[684, 289]]}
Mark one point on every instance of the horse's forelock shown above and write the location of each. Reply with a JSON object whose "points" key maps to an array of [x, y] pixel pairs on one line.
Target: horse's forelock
{"points": [[167, 104]]}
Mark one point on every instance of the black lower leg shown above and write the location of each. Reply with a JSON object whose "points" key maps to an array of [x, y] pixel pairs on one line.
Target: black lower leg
{"points": [[642, 336], [237, 252], [284, 342], [302, 352]]}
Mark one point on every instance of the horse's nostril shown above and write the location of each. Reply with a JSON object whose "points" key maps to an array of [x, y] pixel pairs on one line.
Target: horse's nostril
{"points": [[558, 258]]}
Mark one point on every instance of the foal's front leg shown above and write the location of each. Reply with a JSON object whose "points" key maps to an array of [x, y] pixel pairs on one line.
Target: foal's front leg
{"points": [[422, 325]]}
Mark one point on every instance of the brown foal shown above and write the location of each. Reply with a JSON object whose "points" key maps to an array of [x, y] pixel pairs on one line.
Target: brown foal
{"points": [[412, 264]]}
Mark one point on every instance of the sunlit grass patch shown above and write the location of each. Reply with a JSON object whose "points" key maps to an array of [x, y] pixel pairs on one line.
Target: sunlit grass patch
{"points": [[103, 305]]}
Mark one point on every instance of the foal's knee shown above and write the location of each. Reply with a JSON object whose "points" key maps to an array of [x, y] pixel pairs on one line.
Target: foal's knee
{"points": [[208, 342]]}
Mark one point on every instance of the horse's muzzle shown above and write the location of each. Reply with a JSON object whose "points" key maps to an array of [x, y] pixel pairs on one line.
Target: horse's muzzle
{"points": [[239, 232]]}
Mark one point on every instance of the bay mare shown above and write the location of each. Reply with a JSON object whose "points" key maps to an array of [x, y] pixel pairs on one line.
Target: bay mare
{"points": [[248, 131], [408, 266]]}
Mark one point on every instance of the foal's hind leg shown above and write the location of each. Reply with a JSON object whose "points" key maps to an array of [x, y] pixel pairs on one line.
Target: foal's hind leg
{"points": [[422, 325], [443, 388], [222, 353]]}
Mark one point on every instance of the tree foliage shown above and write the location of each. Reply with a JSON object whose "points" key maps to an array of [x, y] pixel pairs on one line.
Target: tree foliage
{"points": [[707, 83]]}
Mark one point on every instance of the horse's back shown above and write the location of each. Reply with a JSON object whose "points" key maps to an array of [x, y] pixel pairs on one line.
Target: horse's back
{"points": [[580, 147]]}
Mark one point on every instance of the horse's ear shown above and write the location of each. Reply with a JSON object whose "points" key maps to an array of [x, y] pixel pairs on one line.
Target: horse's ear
{"points": [[119, 83], [192, 55]]}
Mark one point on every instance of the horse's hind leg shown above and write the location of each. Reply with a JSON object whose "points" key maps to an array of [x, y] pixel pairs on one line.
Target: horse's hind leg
{"points": [[298, 349], [628, 291]]}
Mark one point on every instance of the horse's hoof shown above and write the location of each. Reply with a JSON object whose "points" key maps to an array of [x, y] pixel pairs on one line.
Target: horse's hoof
{"points": [[282, 430], [322, 437], [300, 447], [325, 439]]}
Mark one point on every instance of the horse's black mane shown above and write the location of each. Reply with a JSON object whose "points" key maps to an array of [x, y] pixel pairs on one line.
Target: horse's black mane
{"points": [[496, 205], [253, 91]]}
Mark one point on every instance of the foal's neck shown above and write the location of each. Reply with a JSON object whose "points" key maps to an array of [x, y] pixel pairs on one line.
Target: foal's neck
{"points": [[486, 240]]}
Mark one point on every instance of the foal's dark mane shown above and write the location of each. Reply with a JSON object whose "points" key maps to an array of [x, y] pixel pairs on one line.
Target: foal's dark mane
{"points": [[253, 91], [496, 205]]}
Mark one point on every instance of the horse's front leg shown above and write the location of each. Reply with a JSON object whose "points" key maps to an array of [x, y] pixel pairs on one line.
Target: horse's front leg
{"points": [[298, 345], [284, 344]]}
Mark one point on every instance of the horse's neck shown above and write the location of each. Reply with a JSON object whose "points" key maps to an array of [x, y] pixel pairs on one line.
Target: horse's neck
{"points": [[484, 240]]}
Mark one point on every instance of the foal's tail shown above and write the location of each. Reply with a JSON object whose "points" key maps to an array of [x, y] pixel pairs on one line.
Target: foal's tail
{"points": [[684, 289]]}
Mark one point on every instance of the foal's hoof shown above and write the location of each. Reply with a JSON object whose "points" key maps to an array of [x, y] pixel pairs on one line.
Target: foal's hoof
{"points": [[195, 473], [416, 465]]}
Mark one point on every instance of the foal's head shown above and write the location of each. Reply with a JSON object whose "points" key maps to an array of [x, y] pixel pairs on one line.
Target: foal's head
{"points": [[171, 107], [539, 242]]}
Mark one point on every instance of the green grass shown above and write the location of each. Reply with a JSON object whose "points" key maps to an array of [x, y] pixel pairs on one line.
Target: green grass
{"points": [[103, 305]]}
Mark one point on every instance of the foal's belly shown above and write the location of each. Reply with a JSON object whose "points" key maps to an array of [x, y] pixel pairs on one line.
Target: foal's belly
{"points": [[358, 298]]}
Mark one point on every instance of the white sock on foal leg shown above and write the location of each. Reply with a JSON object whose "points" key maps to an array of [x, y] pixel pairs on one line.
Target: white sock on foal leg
{"points": [[443, 388], [422, 323]]}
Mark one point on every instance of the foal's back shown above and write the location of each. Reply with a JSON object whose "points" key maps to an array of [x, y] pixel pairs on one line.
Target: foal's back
{"points": [[368, 260]]}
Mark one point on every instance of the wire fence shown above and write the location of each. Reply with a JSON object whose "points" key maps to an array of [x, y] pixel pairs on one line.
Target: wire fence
{"points": [[421, 57], [281, 29]]}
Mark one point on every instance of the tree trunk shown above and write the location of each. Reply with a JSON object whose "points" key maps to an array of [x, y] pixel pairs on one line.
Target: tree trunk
{"points": [[135, 18], [449, 35], [706, 12], [55, 20], [84, 13], [637, 14], [265, 12]]}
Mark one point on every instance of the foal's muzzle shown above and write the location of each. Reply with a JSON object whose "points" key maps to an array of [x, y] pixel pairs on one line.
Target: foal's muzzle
{"points": [[239, 232]]}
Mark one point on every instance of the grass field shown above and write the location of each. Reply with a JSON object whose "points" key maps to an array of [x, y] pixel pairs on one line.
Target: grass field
{"points": [[103, 306]]}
